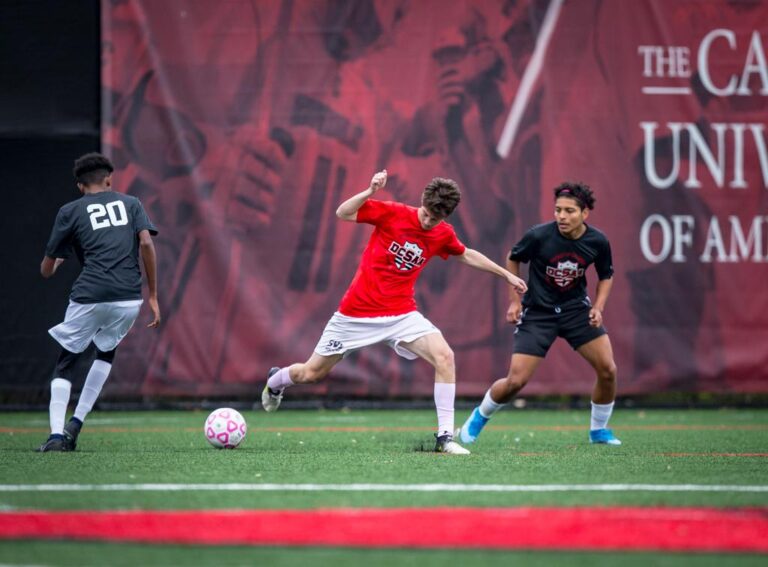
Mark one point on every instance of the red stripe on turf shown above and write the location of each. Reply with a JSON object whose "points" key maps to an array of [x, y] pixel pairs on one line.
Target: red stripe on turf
{"points": [[669, 529]]}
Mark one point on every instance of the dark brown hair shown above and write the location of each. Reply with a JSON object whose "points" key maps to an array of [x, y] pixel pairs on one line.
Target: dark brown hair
{"points": [[441, 196]]}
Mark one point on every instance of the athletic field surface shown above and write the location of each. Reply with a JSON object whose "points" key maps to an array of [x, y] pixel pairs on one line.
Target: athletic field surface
{"points": [[343, 487]]}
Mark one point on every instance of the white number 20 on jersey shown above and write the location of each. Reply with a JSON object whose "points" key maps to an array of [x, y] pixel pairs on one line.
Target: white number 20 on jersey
{"points": [[113, 214]]}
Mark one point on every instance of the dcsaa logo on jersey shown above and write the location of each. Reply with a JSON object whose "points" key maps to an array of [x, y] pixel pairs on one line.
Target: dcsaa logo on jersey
{"points": [[407, 256], [565, 273]]}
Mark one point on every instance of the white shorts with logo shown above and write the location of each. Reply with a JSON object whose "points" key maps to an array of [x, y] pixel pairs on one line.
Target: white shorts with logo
{"points": [[343, 334], [106, 324]]}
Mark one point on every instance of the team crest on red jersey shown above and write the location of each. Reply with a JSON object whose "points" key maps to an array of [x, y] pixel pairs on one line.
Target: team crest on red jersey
{"points": [[565, 274], [407, 256]]}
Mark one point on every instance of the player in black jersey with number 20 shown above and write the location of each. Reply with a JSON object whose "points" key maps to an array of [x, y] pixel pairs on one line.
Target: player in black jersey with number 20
{"points": [[107, 231], [557, 305]]}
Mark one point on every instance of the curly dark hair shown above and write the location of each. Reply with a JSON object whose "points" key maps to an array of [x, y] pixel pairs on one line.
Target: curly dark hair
{"points": [[578, 191], [441, 196], [92, 169]]}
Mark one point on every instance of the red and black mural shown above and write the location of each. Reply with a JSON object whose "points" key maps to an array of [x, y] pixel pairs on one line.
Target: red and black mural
{"points": [[242, 125]]}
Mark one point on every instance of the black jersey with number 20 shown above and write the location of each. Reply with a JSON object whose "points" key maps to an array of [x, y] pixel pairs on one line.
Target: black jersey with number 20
{"points": [[102, 229], [557, 274]]}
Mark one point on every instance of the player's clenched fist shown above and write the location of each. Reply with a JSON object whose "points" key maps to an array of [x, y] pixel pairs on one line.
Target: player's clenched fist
{"points": [[379, 180]]}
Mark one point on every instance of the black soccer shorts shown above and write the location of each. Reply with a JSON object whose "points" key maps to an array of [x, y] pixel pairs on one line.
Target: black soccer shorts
{"points": [[538, 328]]}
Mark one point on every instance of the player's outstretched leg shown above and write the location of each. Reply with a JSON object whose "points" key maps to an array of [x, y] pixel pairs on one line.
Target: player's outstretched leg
{"points": [[521, 368], [469, 432], [270, 399], [278, 379], [446, 444]]}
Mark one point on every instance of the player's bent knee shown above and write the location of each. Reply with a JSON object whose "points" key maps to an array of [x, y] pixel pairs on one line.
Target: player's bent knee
{"points": [[607, 372], [108, 356], [444, 358], [65, 365], [514, 386], [514, 382]]}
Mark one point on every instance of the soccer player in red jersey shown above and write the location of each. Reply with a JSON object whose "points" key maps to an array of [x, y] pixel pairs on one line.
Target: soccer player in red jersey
{"points": [[379, 305]]}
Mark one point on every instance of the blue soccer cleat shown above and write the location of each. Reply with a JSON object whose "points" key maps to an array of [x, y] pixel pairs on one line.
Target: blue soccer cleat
{"points": [[472, 427], [603, 436]]}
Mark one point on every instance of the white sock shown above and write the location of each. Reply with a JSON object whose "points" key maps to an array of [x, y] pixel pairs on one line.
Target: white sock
{"points": [[280, 380], [97, 375], [601, 413], [60, 389], [444, 396], [488, 407]]}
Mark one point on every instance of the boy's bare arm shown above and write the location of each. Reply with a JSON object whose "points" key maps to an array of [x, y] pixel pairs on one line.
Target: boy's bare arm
{"points": [[480, 261], [348, 209], [49, 266], [149, 258]]}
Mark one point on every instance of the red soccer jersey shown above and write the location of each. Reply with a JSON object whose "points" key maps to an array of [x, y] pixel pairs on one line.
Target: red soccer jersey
{"points": [[396, 253]]}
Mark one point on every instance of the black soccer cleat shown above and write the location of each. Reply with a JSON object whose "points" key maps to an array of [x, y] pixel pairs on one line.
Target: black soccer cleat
{"points": [[71, 431], [54, 443]]}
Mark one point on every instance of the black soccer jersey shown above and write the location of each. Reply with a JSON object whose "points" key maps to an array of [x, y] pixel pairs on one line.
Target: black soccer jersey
{"points": [[102, 230], [557, 274]]}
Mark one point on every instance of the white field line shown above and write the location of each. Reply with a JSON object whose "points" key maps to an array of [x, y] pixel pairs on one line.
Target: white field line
{"points": [[250, 487]]}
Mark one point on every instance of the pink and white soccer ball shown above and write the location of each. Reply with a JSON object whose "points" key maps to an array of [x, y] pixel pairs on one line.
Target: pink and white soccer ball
{"points": [[225, 428]]}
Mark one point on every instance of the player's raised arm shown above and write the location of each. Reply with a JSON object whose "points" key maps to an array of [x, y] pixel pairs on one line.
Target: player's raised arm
{"points": [[348, 209], [480, 261]]}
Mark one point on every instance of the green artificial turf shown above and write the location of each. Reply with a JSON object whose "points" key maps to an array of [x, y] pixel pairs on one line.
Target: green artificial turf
{"points": [[127, 555], [520, 447]]}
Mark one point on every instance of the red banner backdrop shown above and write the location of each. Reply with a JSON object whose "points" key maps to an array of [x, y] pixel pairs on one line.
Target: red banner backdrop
{"points": [[242, 125]]}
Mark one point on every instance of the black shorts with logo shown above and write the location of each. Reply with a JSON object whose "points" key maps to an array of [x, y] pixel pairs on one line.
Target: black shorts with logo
{"points": [[539, 327]]}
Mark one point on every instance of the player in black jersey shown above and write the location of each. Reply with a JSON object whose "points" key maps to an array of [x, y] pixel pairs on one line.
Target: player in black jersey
{"points": [[557, 305], [107, 231]]}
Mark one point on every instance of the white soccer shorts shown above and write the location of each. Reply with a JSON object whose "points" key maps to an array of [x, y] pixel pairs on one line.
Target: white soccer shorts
{"points": [[106, 324], [343, 334]]}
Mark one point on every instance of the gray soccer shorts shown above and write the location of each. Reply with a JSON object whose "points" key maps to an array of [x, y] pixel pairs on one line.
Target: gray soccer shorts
{"points": [[106, 324]]}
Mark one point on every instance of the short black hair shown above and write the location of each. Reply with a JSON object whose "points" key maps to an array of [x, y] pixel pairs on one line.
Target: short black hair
{"points": [[578, 191], [92, 168]]}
